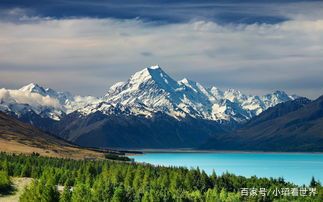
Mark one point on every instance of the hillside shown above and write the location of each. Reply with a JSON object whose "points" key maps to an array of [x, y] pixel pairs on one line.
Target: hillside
{"points": [[292, 126], [18, 137], [135, 132]]}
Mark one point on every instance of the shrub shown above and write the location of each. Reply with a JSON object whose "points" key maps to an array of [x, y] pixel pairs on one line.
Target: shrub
{"points": [[5, 183]]}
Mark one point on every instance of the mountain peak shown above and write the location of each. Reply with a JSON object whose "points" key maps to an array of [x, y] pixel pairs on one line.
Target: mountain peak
{"points": [[279, 92], [33, 88], [149, 71], [153, 73], [154, 67], [141, 76], [280, 95], [28, 86]]}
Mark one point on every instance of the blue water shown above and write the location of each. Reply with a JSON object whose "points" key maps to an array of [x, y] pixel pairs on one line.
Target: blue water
{"points": [[294, 167]]}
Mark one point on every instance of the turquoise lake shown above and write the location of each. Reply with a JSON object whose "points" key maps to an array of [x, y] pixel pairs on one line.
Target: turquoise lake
{"points": [[294, 167]]}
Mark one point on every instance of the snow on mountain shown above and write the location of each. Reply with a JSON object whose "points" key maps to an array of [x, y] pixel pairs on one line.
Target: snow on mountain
{"points": [[109, 108], [155, 91], [275, 98], [78, 102], [33, 88], [45, 102], [151, 87], [146, 92], [20, 102], [216, 93]]}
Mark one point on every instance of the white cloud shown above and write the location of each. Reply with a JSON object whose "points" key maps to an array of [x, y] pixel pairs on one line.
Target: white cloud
{"points": [[24, 97], [74, 53]]}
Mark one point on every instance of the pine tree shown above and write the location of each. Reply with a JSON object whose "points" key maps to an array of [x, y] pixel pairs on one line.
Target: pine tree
{"points": [[31, 193], [119, 194], [66, 196], [50, 193], [102, 191], [313, 182], [81, 193], [5, 182], [145, 197], [26, 171], [212, 195]]}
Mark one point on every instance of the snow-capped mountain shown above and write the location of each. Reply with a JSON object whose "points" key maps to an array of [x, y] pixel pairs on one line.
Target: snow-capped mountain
{"points": [[152, 90], [145, 93], [44, 102], [149, 110], [61, 97], [67, 101]]}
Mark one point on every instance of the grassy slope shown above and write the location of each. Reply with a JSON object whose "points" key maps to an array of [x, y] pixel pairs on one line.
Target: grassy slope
{"points": [[18, 137]]}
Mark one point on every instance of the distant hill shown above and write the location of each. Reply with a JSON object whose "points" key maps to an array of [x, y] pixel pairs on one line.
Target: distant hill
{"points": [[291, 126], [19, 137]]}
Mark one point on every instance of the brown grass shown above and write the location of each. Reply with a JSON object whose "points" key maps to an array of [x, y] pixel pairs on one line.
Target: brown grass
{"points": [[18, 137], [48, 150]]}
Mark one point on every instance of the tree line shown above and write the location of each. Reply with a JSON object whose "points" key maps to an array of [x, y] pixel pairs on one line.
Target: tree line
{"points": [[106, 180]]}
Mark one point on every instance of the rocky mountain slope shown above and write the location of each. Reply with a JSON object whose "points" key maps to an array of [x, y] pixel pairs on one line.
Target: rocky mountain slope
{"points": [[291, 126]]}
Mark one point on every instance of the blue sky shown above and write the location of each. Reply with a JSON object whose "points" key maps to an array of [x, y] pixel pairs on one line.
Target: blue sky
{"points": [[86, 46]]}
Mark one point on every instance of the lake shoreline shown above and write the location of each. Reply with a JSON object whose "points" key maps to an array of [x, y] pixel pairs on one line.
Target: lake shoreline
{"points": [[148, 151]]}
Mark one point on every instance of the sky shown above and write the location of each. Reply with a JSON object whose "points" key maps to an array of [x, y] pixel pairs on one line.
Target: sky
{"points": [[86, 46]]}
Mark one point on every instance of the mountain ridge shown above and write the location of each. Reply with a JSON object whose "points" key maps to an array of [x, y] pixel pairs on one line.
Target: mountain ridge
{"points": [[151, 90], [291, 126], [156, 90], [149, 110]]}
